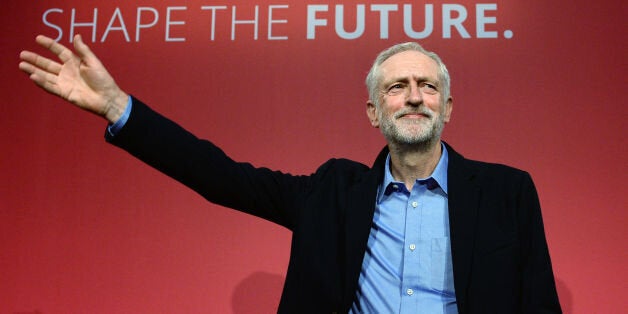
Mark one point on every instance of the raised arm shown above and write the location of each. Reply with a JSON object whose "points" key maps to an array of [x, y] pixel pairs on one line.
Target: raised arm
{"points": [[80, 78]]}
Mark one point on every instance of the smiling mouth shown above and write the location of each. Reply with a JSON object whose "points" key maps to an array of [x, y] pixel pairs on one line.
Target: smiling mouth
{"points": [[414, 115]]}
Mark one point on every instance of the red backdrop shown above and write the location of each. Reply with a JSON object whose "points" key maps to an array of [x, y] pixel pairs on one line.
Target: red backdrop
{"points": [[85, 228]]}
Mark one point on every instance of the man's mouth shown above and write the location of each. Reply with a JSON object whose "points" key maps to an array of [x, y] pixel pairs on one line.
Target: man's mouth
{"points": [[414, 115]]}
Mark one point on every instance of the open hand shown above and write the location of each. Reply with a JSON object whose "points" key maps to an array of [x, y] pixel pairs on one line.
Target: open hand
{"points": [[80, 79]]}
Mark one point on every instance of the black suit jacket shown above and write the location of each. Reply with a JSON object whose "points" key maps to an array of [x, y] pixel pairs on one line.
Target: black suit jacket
{"points": [[501, 262]]}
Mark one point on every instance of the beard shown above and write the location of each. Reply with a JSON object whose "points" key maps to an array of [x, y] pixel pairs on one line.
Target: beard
{"points": [[420, 132]]}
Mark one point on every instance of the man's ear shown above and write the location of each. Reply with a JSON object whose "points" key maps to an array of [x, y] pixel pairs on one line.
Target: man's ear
{"points": [[371, 112], [449, 107]]}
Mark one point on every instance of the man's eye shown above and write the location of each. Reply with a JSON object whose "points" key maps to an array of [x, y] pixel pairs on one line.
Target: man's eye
{"points": [[395, 88], [429, 88]]}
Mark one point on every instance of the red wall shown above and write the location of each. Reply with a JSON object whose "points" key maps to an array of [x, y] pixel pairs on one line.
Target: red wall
{"points": [[85, 228]]}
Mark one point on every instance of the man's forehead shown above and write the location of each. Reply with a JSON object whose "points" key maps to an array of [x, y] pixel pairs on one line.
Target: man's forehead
{"points": [[409, 62]]}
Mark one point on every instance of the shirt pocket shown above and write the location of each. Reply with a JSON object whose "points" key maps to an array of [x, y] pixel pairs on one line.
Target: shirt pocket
{"points": [[441, 271]]}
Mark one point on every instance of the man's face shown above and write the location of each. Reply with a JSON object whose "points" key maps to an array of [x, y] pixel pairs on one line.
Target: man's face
{"points": [[411, 109]]}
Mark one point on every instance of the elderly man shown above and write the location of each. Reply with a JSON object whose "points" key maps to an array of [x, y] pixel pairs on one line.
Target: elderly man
{"points": [[423, 230]]}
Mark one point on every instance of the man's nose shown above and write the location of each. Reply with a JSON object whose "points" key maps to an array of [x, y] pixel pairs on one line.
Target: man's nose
{"points": [[415, 98]]}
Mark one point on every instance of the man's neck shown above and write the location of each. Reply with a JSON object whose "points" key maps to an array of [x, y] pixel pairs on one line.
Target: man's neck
{"points": [[407, 164]]}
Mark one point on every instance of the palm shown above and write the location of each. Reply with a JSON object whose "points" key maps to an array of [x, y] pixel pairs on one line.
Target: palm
{"points": [[80, 78], [82, 85]]}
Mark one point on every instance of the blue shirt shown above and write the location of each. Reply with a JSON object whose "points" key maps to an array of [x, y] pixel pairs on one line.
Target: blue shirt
{"points": [[407, 266]]}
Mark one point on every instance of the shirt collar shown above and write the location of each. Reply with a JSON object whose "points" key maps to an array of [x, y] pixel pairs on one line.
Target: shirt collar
{"points": [[437, 179]]}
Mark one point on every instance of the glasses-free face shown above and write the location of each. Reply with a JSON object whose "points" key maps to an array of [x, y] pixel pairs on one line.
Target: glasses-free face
{"points": [[410, 109]]}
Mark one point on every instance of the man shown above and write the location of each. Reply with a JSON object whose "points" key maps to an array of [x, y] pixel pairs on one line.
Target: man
{"points": [[423, 230]]}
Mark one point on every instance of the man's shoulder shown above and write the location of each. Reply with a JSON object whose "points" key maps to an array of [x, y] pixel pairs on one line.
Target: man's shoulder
{"points": [[498, 175], [459, 163], [342, 166], [493, 167]]}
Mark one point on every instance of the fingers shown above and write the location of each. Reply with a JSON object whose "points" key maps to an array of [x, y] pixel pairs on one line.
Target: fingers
{"points": [[84, 53], [44, 79], [63, 53], [40, 62], [58, 49], [41, 70]]}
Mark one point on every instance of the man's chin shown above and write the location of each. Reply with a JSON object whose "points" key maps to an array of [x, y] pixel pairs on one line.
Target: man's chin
{"points": [[412, 139]]}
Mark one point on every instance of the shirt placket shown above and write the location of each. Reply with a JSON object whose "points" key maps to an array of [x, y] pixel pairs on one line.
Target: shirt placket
{"points": [[411, 253]]}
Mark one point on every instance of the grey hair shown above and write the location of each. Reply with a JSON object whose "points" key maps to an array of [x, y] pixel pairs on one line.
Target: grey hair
{"points": [[372, 79]]}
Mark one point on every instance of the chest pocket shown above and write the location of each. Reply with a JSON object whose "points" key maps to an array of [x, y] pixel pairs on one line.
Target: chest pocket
{"points": [[441, 271]]}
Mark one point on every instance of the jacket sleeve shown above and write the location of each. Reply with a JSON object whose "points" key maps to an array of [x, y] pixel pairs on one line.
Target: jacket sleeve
{"points": [[205, 168], [538, 287]]}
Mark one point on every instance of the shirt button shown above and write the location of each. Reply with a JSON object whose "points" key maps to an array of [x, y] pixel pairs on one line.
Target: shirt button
{"points": [[415, 204], [412, 247], [395, 187], [410, 292]]}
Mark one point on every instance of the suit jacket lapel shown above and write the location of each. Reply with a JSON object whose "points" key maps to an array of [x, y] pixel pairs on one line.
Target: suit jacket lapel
{"points": [[464, 197], [358, 220]]}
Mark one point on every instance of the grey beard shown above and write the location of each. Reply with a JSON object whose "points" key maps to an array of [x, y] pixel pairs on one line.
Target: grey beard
{"points": [[424, 139]]}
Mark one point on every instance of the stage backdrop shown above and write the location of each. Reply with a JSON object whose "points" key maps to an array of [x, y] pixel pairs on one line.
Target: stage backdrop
{"points": [[86, 228]]}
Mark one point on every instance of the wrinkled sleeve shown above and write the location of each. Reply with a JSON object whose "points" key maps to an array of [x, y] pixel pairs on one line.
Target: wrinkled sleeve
{"points": [[206, 169]]}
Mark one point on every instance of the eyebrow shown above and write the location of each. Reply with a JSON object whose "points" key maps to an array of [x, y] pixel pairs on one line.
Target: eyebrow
{"points": [[405, 80]]}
